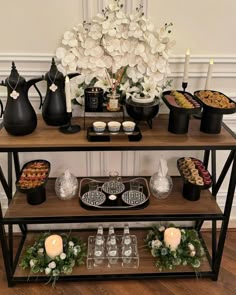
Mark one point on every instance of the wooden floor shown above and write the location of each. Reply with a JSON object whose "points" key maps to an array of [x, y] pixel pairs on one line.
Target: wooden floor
{"points": [[226, 284]]}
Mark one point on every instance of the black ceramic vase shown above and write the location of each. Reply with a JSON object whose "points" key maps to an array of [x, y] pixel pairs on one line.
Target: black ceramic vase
{"points": [[142, 111], [19, 116], [54, 106]]}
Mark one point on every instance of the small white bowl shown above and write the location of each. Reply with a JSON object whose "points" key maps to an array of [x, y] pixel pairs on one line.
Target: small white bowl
{"points": [[128, 126], [114, 126], [99, 126]]}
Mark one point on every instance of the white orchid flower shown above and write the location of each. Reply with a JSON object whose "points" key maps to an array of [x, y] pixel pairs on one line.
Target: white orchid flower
{"points": [[60, 52]]}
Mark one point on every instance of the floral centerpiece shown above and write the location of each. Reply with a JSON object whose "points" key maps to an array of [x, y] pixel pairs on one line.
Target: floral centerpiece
{"points": [[37, 261], [173, 246], [115, 42]]}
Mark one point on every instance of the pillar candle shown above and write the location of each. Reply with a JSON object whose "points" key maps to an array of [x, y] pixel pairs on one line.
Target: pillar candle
{"points": [[208, 80], [53, 246], [68, 96], [172, 237], [186, 66]]}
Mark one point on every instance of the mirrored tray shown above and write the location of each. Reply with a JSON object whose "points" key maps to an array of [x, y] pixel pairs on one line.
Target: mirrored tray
{"points": [[124, 198]]}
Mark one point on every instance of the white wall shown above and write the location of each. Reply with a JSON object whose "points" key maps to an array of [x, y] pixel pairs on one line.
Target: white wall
{"points": [[31, 31]]}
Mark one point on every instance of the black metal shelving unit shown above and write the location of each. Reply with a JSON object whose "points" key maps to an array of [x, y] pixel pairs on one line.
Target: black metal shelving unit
{"points": [[214, 255]]}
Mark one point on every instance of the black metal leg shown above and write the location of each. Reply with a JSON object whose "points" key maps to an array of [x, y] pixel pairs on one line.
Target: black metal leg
{"points": [[9, 165], [17, 164], [223, 173], [206, 158], [5, 255], [4, 183], [225, 222], [10, 243]]}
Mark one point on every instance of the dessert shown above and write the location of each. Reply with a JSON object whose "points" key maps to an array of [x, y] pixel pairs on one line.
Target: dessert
{"points": [[215, 99], [34, 174], [182, 100], [194, 171]]}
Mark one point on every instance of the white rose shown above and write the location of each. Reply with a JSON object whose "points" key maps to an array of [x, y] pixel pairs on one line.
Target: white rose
{"points": [[191, 247], [63, 256], [156, 244], [52, 265], [47, 270], [71, 244]]}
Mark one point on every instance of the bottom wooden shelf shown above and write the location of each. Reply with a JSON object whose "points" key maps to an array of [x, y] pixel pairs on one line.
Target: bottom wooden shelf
{"points": [[146, 267]]}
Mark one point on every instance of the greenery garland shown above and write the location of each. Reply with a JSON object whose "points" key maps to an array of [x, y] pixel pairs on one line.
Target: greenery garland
{"points": [[36, 259], [189, 251]]}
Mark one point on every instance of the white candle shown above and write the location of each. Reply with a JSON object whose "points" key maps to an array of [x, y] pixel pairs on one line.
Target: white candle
{"points": [[68, 96], [172, 238], [53, 246], [208, 80], [186, 66]]}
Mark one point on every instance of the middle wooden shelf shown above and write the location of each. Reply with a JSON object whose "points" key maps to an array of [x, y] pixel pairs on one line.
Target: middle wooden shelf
{"points": [[54, 210]]}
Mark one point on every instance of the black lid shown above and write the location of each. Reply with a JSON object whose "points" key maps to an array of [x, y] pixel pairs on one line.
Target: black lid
{"points": [[53, 73], [14, 79]]}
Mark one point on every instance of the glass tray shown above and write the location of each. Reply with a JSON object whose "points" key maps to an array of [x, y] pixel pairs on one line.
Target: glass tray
{"points": [[130, 262], [125, 198]]}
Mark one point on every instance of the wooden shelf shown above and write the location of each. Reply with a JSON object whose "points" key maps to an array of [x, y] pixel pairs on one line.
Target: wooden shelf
{"points": [[46, 138], [174, 205], [146, 261]]}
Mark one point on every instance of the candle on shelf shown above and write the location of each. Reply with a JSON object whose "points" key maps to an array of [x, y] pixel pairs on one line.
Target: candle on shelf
{"points": [[172, 237], [208, 80], [53, 246], [68, 96], [186, 66]]}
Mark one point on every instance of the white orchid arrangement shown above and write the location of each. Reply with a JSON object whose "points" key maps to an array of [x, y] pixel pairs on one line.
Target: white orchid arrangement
{"points": [[112, 41]]}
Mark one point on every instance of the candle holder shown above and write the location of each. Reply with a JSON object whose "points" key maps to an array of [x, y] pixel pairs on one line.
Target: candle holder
{"points": [[184, 85], [69, 128]]}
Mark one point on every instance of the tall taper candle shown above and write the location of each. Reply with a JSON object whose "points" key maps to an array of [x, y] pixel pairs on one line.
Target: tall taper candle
{"points": [[186, 66], [68, 96], [209, 74]]}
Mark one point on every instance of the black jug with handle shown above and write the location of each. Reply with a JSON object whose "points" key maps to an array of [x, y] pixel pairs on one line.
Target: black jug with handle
{"points": [[19, 117], [54, 106]]}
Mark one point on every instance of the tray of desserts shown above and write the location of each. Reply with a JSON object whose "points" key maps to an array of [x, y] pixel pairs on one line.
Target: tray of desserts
{"points": [[132, 193], [193, 171], [33, 175], [181, 102], [215, 101]]}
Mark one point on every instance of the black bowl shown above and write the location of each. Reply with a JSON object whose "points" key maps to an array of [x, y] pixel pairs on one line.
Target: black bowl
{"points": [[142, 111]]}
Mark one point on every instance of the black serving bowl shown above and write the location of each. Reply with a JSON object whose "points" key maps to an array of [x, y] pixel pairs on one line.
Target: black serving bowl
{"points": [[142, 111], [179, 116], [212, 117]]}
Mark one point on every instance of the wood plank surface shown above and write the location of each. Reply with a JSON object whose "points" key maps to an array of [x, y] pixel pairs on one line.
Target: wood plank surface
{"points": [[226, 284], [146, 261], [54, 207], [46, 137]]}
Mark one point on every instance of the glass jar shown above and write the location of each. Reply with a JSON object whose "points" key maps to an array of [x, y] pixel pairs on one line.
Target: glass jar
{"points": [[113, 102], [160, 186], [66, 186]]}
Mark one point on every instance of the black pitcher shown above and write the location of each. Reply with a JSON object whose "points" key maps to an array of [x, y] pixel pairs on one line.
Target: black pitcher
{"points": [[54, 106], [19, 117]]}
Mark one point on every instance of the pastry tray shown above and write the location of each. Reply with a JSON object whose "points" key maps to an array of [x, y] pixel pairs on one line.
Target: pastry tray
{"points": [[136, 135], [32, 177], [212, 109], [139, 199], [201, 187], [179, 109]]}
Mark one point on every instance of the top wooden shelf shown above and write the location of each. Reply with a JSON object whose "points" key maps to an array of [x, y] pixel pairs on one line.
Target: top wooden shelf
{"points": [[48, 138]]}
